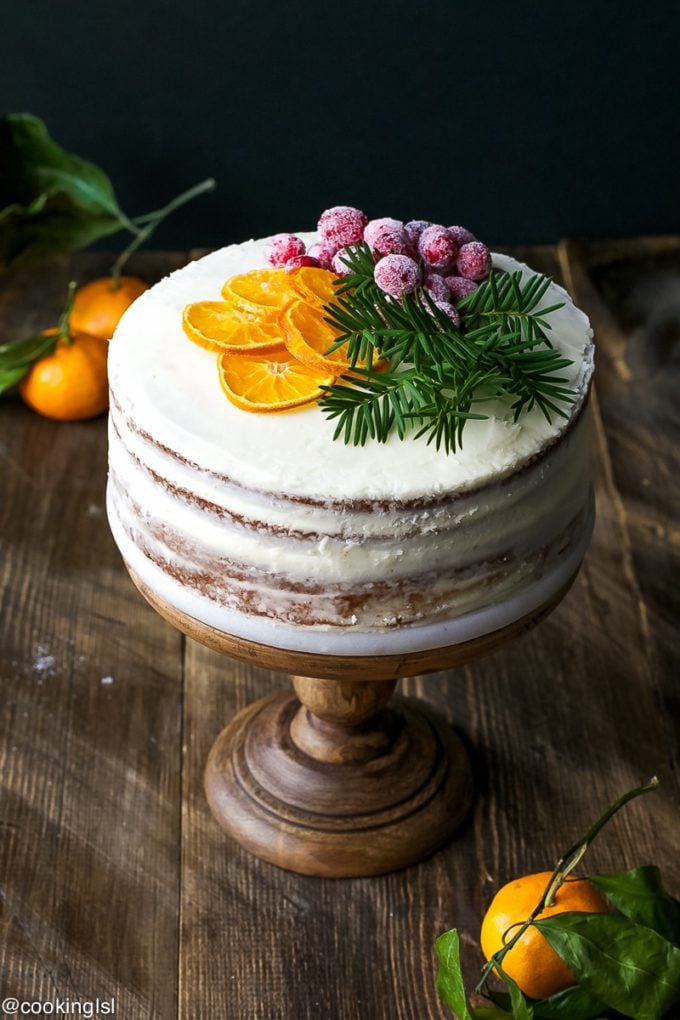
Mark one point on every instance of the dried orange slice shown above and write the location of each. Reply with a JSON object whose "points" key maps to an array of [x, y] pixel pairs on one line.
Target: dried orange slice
{"points": [[314, 285], [259, 290], [308, 336], [213, 325], [270, 382], [255, 313]]}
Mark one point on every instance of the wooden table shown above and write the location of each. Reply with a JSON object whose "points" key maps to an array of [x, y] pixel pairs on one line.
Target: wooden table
{"points": [[114, 879]]}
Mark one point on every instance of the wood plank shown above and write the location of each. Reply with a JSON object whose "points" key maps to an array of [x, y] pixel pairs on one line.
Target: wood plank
{"points": [[560, 722], [90, 714], [632, 290]]}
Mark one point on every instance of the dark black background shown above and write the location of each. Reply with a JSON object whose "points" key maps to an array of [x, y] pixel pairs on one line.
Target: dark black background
{"points": [[525, 121]]}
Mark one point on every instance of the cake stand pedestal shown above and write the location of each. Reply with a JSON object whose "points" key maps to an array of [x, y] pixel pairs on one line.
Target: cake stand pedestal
{"points": [[338, 777]]}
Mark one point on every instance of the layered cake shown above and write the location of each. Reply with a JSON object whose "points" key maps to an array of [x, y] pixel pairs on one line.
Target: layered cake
{"points": [[265, 526]]}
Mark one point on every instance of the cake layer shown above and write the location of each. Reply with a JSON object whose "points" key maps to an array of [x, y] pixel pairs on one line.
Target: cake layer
{"points": [[351, 642], [262, 523]]}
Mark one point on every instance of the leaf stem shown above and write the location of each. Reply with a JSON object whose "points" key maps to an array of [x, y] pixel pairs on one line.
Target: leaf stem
{"points": [[126, 223], [146, 224], [209, 184], [64, 324], [562, 869]]}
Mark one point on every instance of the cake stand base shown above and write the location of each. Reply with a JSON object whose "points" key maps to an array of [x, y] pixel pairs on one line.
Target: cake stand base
{"points": [[333, 780], [334, 783]]}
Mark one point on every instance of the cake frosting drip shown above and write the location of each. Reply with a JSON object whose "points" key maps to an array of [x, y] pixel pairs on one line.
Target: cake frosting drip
{"points": [[245, 519]]}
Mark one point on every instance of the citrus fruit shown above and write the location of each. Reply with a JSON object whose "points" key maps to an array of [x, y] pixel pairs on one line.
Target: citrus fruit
{"points": [[532, 962], [308, 337], [98, 306], [270, 382], [259, 290], [316, 286], [243, 312], [216, 326], [69, 384]]}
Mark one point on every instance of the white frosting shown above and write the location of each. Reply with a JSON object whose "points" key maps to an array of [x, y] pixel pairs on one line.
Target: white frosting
{"points": [[169, 386], [264, 527]]}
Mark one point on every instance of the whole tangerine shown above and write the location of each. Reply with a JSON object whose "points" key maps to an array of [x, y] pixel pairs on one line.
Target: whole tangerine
{"points": [[70, 384], [98, 306], [532, 962]]}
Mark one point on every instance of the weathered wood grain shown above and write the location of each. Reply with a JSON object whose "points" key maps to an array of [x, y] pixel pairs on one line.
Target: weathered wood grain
{"points": [[634, 291], [95, 858], [90, 713]]}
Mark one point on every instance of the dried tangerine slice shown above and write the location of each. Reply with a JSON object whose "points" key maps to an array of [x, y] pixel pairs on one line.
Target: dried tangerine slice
{"points": [[255, 313], [211, 324], [308, 337], [258, 313], [270, 382], [259, 290], [314, 285]]}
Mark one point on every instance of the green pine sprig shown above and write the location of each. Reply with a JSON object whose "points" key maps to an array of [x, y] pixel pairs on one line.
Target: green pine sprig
{"points": [[413, 371]]}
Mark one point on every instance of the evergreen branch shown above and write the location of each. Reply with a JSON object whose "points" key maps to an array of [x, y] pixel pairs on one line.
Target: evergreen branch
{"points": [[370, 403], [439, 371]]}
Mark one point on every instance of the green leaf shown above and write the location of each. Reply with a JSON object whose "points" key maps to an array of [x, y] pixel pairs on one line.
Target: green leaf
{"points": [[25, 352], [36, 165], [17, 358], [630, 967], [450, 984], [9, 377], [521, 1010], [572, 1004], [640, 895], [50, 200]]}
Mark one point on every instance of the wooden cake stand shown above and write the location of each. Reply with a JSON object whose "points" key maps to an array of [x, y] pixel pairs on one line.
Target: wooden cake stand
{"points": [[338, 778]]}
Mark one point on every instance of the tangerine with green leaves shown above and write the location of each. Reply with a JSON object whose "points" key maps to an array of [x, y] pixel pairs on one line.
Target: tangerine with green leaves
{"points": [[98, 306], [532, 962], [70, 382]]}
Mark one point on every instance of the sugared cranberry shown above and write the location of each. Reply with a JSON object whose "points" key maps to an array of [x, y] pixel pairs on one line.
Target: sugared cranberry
{"points": [[386, 236], [323, 253], [459, 287], [283, 247], [436, 287], [413, 230], [448, 309], [397, 275], [301, 261], [461, 235], [339, 263], [474, 261], [343, 224], [437, 247]]}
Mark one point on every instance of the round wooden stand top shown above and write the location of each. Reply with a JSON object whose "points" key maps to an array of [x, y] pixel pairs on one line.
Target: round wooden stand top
{"points": [[345, 667]]}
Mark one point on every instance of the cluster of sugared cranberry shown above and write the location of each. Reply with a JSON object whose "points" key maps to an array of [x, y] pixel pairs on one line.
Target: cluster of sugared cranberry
{"points": [[447, 262]]}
